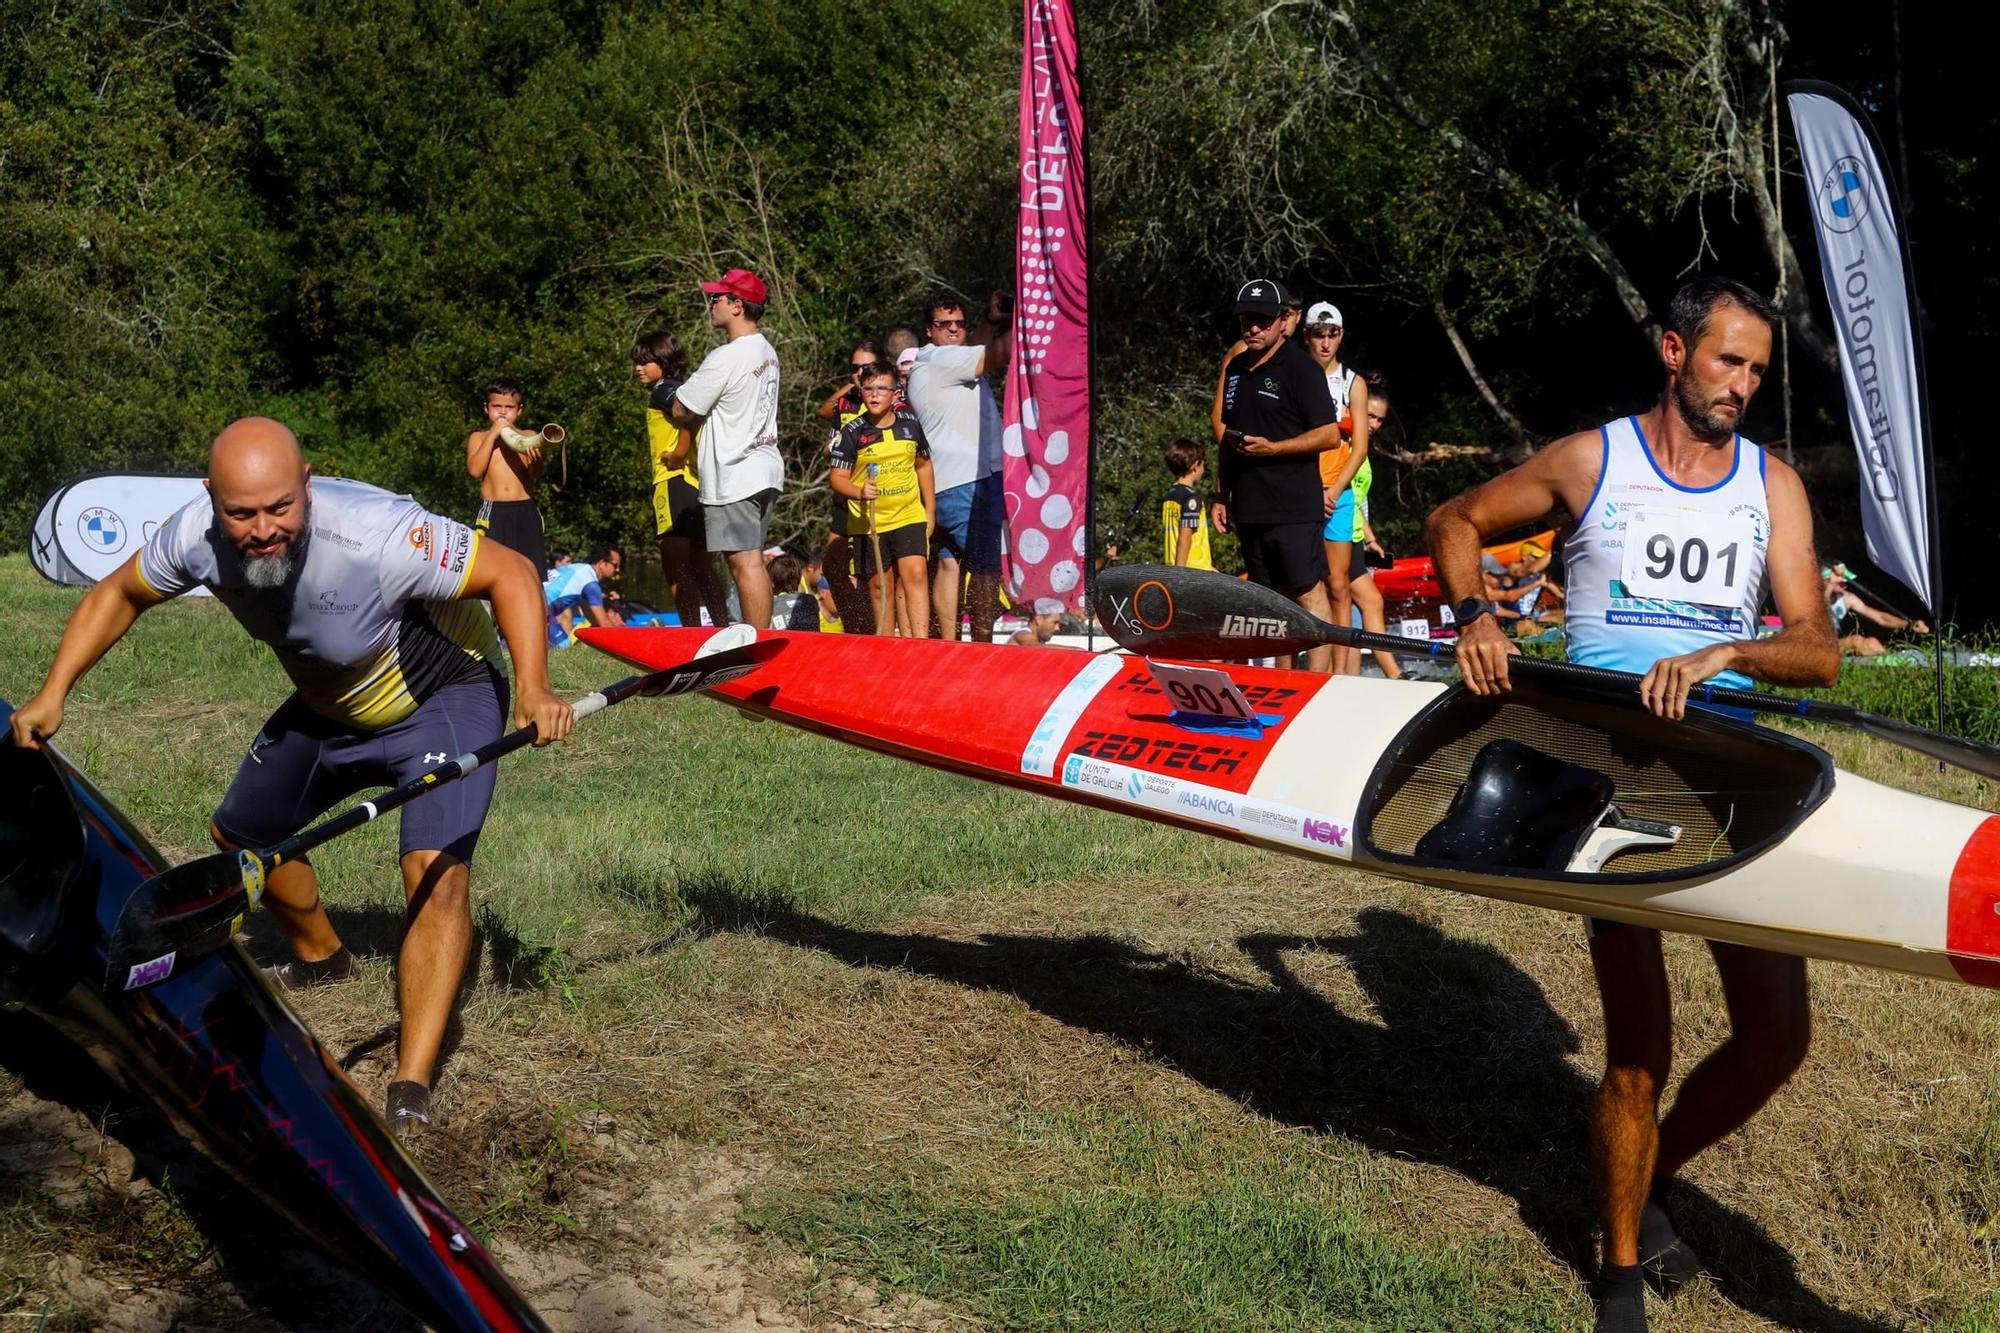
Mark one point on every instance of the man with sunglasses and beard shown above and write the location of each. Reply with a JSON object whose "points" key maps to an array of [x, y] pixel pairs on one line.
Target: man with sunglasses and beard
{"points": [[1682, 525], [1277, 417], [372, 605]]}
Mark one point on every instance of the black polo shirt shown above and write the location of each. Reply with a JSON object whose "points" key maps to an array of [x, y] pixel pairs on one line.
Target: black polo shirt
{"points": [[1279, 400]]}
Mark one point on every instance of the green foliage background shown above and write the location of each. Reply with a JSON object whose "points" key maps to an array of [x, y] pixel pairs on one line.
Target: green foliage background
{"points": [[352, 217]]}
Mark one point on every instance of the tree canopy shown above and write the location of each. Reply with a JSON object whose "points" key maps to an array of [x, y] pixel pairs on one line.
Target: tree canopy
{"points": [[352, 220]]}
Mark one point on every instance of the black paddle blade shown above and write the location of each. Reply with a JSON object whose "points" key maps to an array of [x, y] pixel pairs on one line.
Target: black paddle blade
{"points": [[1972, 756], [179, 915], [1174, 611]]}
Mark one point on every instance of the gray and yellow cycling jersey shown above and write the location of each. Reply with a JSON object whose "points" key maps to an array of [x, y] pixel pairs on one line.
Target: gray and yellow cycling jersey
{"points": [[368, 626]]}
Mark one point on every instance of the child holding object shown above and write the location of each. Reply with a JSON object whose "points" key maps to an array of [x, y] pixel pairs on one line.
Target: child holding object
{"points": [[892, 508]]}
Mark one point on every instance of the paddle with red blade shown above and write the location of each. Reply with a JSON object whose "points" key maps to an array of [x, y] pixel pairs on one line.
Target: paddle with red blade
{"points": [[192, 909], [1173, 611]]}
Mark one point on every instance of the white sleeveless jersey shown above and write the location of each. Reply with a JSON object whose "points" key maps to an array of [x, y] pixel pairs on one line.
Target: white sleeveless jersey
{"points": [[1657, 570]]}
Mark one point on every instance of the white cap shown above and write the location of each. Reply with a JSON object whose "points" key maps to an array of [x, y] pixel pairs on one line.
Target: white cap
{"points": [[1326, 312], [907, 357], [1048, 606]]}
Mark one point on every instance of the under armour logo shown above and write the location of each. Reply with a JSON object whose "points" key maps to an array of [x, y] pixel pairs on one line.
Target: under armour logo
{"points": [[437, 757]]}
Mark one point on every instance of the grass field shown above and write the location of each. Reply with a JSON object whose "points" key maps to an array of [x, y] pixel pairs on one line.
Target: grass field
{"points": [[772, 1033]]}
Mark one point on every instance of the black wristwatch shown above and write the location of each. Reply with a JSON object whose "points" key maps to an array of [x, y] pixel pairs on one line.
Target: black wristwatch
{"points": [[1465, 612]]}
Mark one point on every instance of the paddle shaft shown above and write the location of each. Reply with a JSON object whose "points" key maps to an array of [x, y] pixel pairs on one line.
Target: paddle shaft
{"points": [[452, 770], [1191, 613]]}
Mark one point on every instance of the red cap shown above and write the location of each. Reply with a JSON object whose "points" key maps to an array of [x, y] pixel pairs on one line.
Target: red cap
{"points": [[740, 283]]}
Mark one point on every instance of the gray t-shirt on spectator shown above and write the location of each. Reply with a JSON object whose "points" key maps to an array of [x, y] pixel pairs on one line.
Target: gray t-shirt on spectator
{"points": [[955, 405]]}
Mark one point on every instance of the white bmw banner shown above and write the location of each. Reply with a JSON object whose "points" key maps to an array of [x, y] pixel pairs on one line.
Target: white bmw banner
{"points": [[1865, 262]]}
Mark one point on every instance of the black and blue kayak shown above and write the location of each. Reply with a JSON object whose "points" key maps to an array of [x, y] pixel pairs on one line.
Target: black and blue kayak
{"points": [[207, 1042]]}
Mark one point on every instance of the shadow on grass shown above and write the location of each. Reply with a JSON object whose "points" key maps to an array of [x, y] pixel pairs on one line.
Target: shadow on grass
{"points": [[1463, 1065], [273, 1268]]}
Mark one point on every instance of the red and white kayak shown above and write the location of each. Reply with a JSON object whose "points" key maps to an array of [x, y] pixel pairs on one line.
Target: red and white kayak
{"points": [[1708, 827]]}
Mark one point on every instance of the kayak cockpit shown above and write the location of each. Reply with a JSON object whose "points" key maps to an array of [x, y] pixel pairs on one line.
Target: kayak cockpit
{"points": [[1570, 788], [41, 852]]}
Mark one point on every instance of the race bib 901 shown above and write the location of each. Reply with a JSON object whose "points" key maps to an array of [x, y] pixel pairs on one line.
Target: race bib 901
{"points": [[1677, 555]]}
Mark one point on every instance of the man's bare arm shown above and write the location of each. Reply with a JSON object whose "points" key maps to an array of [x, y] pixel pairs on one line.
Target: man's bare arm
{"points": [[479, 447], [1558, 475], [507, 580], [99, 621]]}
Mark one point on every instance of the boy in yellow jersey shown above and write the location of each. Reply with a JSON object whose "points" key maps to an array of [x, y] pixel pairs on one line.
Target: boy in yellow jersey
{"points": [[1183, 521], [660, 363], [897, 493]]}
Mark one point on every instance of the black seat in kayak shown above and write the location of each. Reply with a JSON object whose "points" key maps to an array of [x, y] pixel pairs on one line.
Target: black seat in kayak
{"points": [[1520, 808], [41, 849]]}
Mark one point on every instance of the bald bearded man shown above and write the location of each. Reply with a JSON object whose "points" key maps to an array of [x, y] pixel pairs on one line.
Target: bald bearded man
{"points": [[372, 605]]}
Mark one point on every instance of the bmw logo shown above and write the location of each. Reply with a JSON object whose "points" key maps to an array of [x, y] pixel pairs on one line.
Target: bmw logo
{"points": [[1843, 195], [102, 531]]}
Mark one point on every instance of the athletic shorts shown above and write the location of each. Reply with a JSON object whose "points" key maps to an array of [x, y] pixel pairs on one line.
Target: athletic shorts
{"points": [[897, 543], [968, 524], [516, 525], [677, 510], [739, 525], [301, 764], [836, 524], [1285, 556], [1357, 562], [1340, 523]]}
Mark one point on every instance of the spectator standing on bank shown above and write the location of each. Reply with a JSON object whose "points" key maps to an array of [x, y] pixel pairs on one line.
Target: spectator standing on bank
{"points": [[732, 400], [660, 363], [1339, 469], [1361, 587], [1278, 417], [955, 404], [882, 466], [508, 513], [841, 407], [1183, 521]]}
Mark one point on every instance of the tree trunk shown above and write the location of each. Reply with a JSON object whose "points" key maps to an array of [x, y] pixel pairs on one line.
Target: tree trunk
{"points": [[1513, 424], [1567, 220]]}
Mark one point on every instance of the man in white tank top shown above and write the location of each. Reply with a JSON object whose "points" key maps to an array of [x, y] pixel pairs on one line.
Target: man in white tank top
{"points": [[1682, 527]]}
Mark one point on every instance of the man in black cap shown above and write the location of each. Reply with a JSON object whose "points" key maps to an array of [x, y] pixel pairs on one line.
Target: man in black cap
{"points": [[1277, 417]]}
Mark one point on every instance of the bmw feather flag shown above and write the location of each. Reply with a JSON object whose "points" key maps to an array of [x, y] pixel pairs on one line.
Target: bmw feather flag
{"points": [[1866, 264]]}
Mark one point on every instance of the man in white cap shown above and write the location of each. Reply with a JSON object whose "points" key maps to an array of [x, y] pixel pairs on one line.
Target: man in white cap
{"points": [[1047, 620], [732, 400]]}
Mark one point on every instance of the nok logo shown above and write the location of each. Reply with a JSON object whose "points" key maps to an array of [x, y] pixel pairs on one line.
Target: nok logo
{"points": [[1323, 831], [1843, 195]]}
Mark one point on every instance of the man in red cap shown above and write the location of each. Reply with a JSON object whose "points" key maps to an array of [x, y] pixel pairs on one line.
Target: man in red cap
{"points": [[732, 400]]}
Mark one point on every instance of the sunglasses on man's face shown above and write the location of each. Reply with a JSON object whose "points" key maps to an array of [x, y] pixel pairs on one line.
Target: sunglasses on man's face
{"points": [[722, 296], [947, 323]]}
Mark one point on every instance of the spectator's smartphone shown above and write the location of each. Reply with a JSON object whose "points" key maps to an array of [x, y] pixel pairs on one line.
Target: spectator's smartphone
{"points": [[1232, 437]]}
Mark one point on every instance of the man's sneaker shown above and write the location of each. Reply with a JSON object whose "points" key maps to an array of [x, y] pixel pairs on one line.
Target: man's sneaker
{"points": [[408, 1106], [1668, 1261], [340, 965]]}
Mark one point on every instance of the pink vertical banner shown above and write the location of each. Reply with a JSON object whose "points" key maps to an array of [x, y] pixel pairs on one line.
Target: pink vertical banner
{"points": [[1047, 439]]}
